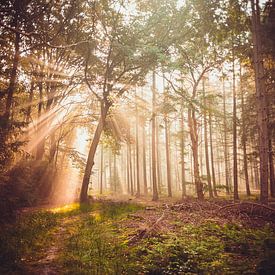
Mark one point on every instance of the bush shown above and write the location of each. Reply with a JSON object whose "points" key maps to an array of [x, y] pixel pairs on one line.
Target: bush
{"points": [[26, 184]]}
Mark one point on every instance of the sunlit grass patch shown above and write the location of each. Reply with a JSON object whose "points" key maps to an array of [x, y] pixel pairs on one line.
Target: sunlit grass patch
{"points": [[65, 208]]}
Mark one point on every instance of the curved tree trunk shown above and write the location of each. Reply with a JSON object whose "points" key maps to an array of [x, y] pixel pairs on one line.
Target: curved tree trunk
{"points": [[91, 155]]}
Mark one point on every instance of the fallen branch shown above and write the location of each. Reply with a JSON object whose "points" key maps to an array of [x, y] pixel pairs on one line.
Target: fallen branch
{"points": [[250, 208]]}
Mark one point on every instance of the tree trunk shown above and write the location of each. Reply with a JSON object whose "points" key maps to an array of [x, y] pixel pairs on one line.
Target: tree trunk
{"points": [[192, 122], [91, 155], [244, 139], [154, 153], [210, 190], [131, 171], [101, 171], [137, 152], [182, 145], [115, 174], [168, 161], [271, 169], [29, 109], [235, 153], [158, 159], [260, 100], [212, 156], [128, 169], [144, 161], [16, 56], [225, 141]]}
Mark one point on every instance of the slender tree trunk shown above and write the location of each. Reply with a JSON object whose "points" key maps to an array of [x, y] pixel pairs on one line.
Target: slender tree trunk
{"points": [[131, 171], [53, 146], [271, 169], [192, 121], [101, 171], [91, 155], [260, 100], [150, 159], [244, 139], [225, 141], [182, 150], [134, 170], [235, 152], [154, 153], [16, 56], [212, 156], [29, 109], [158, 159], [144, 160], [210, 190], [256, 172], [137, 152], [110, 171], [168, 161], [128, 169], [115, 175]]}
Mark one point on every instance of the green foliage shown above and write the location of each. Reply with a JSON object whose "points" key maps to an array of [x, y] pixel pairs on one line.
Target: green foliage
{"points": [[97, 243], [205, 249], [94, 247], [24, 238]]}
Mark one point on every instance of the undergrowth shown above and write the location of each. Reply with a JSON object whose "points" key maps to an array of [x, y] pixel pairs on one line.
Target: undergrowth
{"points": [[24, 238], [97, 242], [205, 249]]}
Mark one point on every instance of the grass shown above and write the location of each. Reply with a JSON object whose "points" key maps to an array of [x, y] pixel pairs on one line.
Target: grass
{"points": [[24, 239], [97, 243]]}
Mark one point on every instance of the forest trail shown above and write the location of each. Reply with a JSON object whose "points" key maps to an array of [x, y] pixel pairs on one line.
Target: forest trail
{"points": [[131, 226], [47, 263]]}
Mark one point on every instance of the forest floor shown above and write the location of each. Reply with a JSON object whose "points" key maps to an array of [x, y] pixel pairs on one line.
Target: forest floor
{"points": [[138, 236]]}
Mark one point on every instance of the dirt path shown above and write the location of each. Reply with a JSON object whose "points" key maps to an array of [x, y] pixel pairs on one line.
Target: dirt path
{"points": [[47, 264]]}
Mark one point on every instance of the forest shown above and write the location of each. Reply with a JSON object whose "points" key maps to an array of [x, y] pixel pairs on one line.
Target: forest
{"points": [[137, 137]]}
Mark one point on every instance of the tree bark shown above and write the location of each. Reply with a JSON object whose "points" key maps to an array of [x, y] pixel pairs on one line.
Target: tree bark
{"points": [[210, 190], [212, 156], [158, 159], [144, 161], [16, 56], [182, 145], [235, 153], [261, 103], [244, 139], [168, 161], [101, 171], [137, 152], [154, 153], [227, 185], [271, 169], [194, 140], [91, 155]]}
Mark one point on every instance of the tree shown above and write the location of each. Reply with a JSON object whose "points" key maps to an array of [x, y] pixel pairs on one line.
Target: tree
{"points": [[112, 69], [262, 117]]}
